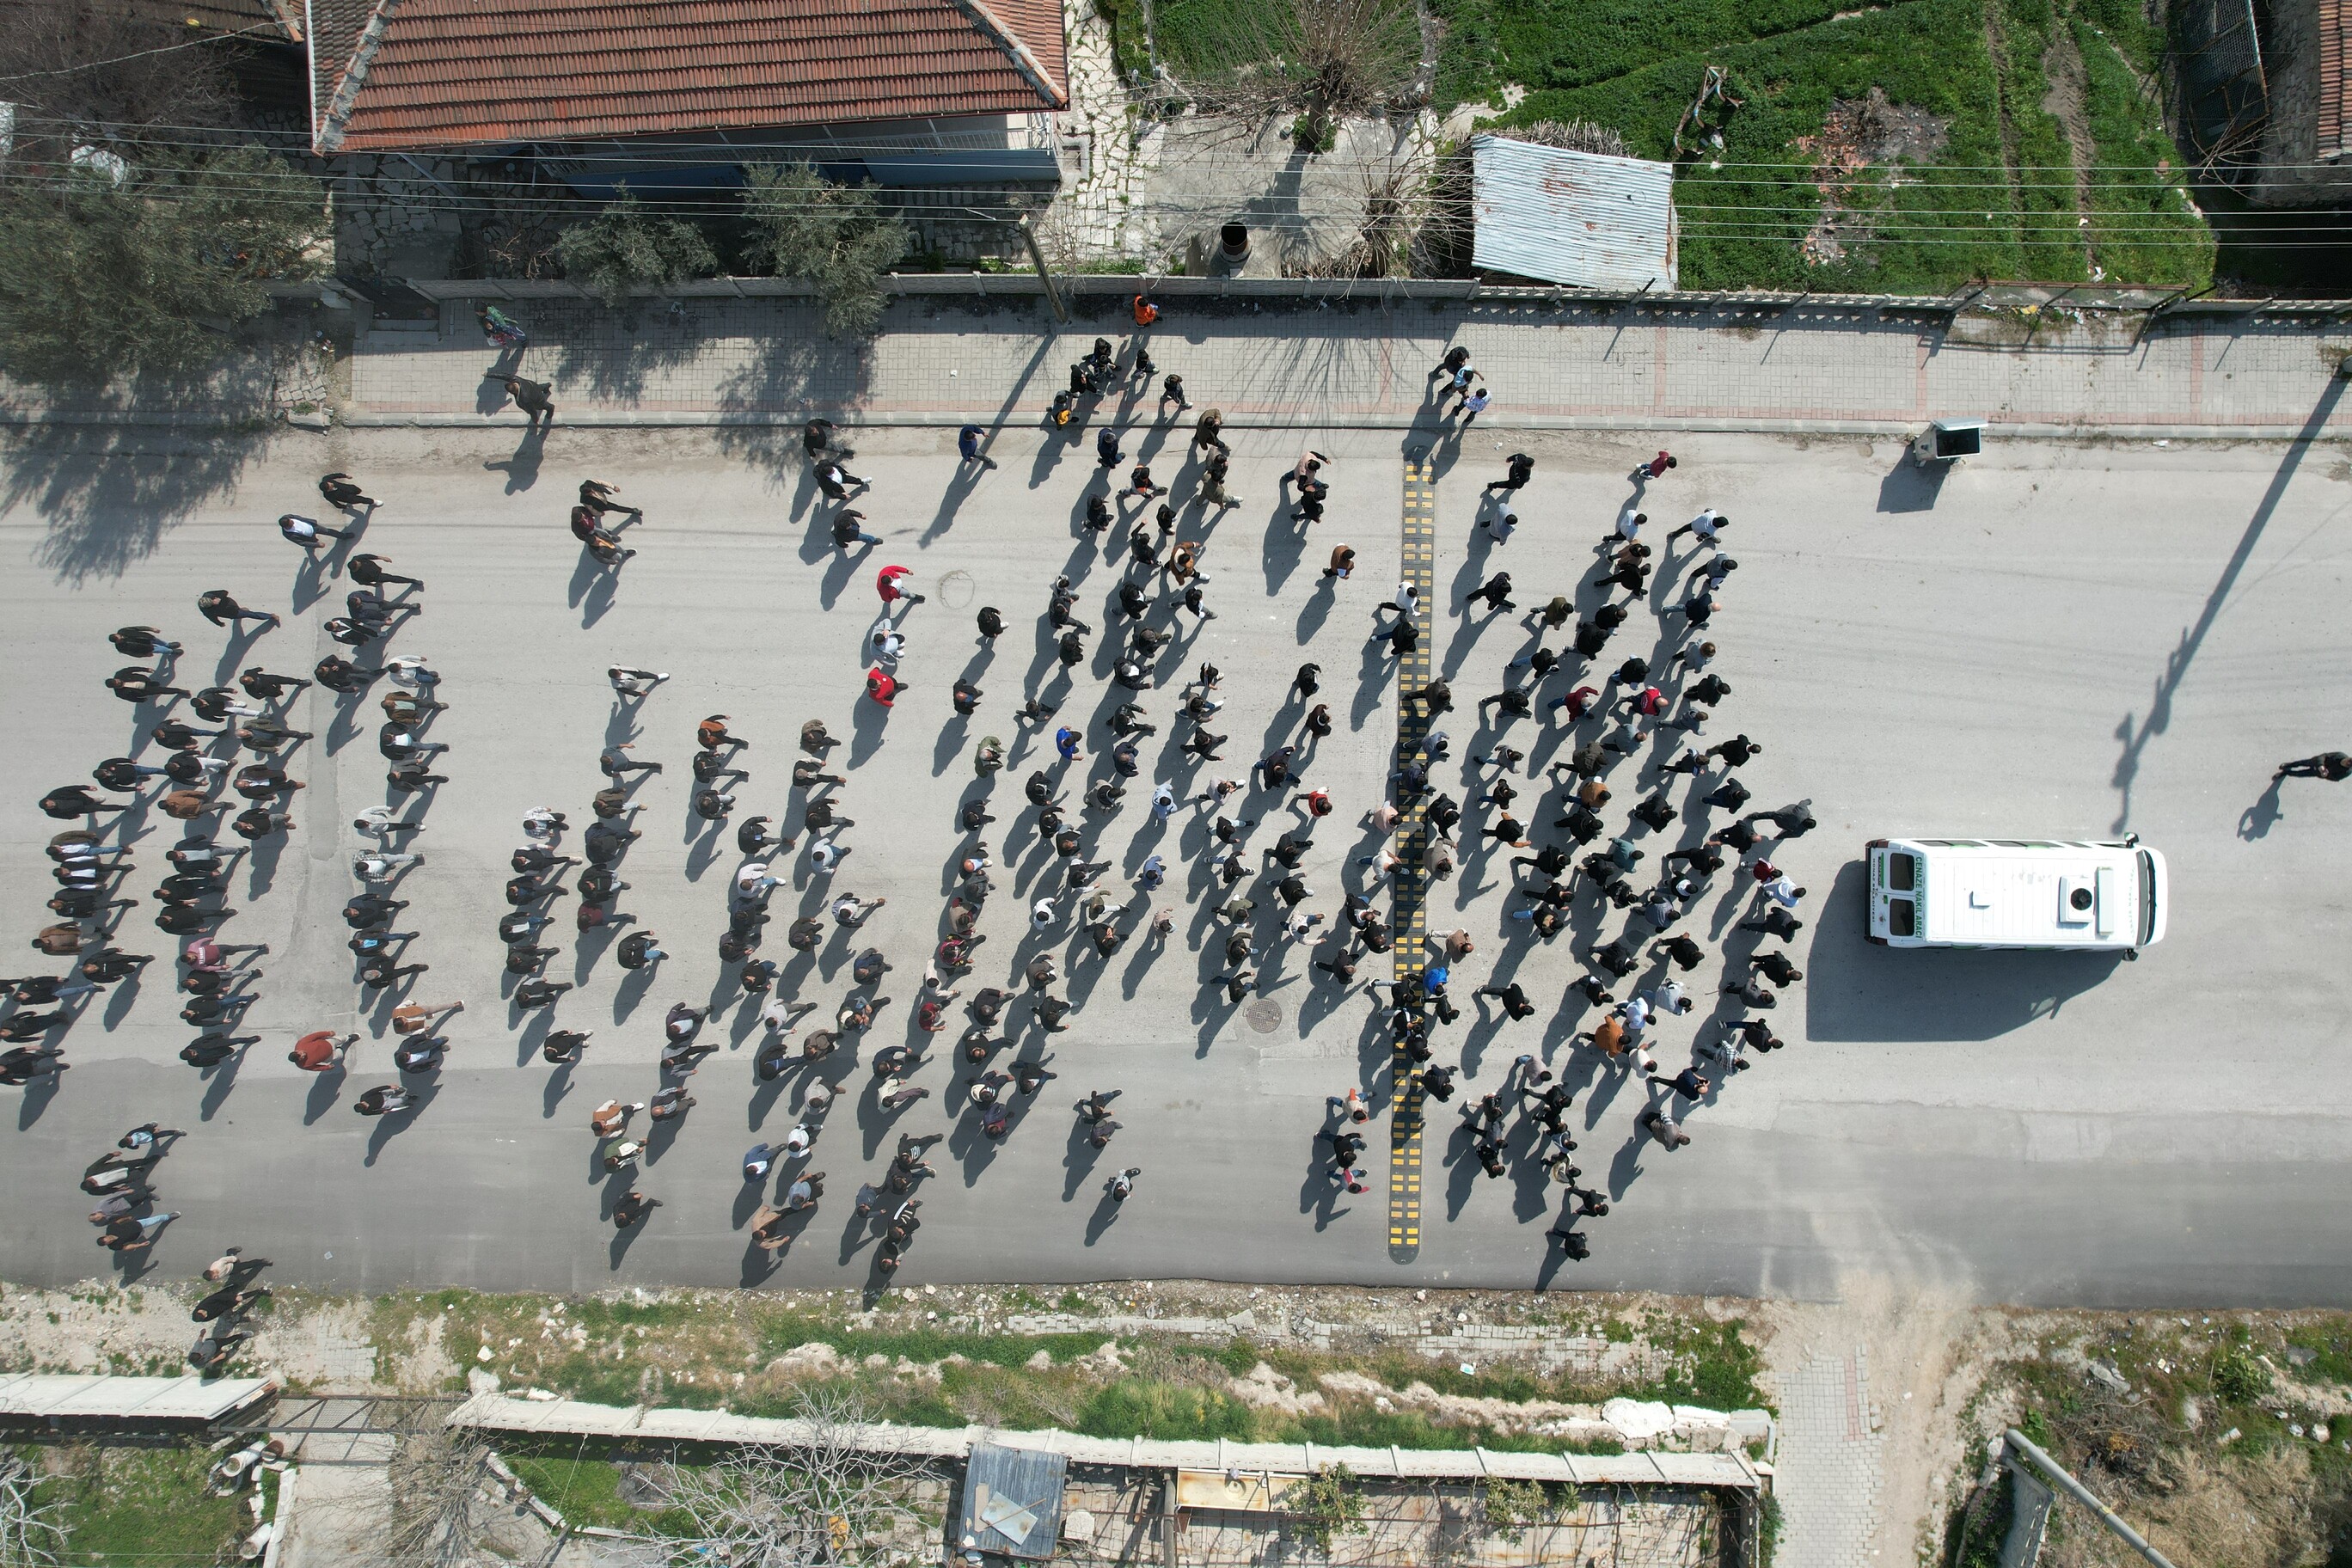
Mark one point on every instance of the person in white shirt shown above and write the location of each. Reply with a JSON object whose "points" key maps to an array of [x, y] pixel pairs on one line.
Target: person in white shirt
{"points": [[1707, 524]]}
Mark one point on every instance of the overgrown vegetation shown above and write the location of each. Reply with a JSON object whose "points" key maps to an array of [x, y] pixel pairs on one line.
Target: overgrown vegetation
{"points": [[2211, 1439], [123, 1505], [837, 238], [1997, 199], [1326, 1504], [625, 248], [122, 268], [1321, 60], [755, 1357]]}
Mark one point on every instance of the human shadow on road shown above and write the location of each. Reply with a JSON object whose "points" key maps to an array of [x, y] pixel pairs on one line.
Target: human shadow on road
{"points": [[1106, 1213], [522, 467], [36, 1100], [389, 1127], [2136, 736], [1854, 991], [326, 1091], [2258, 819], [867, 723]]}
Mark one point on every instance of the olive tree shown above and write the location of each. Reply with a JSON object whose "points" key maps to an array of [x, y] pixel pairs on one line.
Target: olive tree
{"points": [[837, 238], [623, 249], [117, 267]]}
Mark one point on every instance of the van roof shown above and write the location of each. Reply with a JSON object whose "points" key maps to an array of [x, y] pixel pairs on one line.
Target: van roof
{"points": [[2017, 891]]}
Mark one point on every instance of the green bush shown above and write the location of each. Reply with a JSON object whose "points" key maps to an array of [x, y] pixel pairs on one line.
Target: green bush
{"points": [[1140, 1407], [100, 279], [623, 249], [2238, 1377], [1325, 1504], [834, 238]]}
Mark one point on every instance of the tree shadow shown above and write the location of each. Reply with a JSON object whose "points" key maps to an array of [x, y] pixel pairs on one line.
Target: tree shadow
{"points": [[615, 367], [109, 493]]}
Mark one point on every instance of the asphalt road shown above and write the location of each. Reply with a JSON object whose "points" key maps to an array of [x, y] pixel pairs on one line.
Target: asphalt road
{"points": [[2060, 640]]}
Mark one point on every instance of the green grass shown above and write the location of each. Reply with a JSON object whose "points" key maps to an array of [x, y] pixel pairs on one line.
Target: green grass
{"points": [[585, 1489], [1139, 1407], [1190, 34], [2141, 223], [1634, 69], [142, 1506]]}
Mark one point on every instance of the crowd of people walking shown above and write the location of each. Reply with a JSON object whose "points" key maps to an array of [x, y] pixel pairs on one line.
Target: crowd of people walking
{"points": [[1121, 678]]}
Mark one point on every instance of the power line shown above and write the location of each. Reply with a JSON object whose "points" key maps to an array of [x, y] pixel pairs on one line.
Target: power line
{"points": [[140, 55], [736, 152]]}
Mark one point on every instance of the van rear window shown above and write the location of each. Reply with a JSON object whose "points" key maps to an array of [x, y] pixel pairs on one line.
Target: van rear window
{"points": [[1901, 918], [1901, 872]]}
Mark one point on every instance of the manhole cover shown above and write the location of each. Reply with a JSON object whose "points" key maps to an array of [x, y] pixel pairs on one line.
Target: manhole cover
{"points": [[957, 589], [1264, 1014]]}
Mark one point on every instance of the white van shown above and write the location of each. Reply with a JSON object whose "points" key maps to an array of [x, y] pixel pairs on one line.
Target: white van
{"points": [[2094, 895]]}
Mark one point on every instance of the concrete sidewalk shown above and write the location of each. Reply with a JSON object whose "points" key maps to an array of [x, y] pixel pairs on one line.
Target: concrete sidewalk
{"points": [[1824, 368]]}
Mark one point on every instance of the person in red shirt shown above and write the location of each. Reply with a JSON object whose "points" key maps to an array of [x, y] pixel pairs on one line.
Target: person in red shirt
{"points": [[883, 687], [886, 582], [320, 1049]]}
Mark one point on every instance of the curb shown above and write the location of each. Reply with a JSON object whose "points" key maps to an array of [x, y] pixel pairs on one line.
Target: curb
{"points": [[621, 419], [2026, 429]]}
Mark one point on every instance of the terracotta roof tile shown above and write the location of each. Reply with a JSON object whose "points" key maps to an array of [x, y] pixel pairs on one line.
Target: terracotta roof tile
{"points": [[447, 73]]}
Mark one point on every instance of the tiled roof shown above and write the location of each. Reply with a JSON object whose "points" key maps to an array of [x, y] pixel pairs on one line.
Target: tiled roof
{"points": [[409, 74], [2335, 76]]}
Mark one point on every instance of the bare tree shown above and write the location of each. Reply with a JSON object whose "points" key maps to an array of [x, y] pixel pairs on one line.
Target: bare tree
{"points": [[817, 1500], [31, 1535], [1322, 60], [85, 71], [436, 1481]]}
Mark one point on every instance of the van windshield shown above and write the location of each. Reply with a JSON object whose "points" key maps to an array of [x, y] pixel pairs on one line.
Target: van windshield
{"points": [[2146, 896]]}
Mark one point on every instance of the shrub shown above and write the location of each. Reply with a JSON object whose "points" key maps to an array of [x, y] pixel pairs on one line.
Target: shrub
{"points": [[1325, 1504], [623, 249], [2238, 1377], [835, 238], [101, 277]]}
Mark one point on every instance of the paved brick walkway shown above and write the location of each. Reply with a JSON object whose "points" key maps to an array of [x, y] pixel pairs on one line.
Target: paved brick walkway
{"points": [[1818, 367], [1828, 1479]]}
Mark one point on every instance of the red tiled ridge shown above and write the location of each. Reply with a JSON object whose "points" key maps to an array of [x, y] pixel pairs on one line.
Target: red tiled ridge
{"points": [[405, 74]]}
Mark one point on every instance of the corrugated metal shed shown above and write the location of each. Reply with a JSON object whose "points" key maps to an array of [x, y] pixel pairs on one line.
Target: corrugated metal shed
{"points": [[1580, 218], [81, 1401], [1012, 1502]]}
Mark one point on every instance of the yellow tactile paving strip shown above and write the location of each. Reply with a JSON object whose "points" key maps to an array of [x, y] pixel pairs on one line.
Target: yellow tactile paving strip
{"points": [[1409, 921]]}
